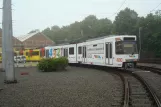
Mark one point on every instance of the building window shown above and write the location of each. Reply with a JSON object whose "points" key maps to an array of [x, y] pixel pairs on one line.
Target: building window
{"points": [[71, 51]]}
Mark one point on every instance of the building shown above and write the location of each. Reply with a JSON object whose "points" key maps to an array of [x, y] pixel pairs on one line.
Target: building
{"points": [[17, 44], [35, 40], [29, 41]]}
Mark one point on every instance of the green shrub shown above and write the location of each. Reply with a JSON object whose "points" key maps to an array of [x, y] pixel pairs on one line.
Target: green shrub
{"points": [[52, 64], [61, 63]]}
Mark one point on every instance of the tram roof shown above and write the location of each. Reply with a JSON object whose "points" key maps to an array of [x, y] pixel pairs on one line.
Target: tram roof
{"points": [[107, 37]]}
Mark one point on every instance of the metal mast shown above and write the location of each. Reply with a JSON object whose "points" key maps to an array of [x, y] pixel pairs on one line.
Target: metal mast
{"points": [[3, 37], [8, 42]]}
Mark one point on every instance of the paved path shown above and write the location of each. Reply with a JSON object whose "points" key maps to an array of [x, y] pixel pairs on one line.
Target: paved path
{"points": [[76, 87]]}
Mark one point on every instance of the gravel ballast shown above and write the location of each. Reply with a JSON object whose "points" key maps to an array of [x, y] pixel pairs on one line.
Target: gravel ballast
{"points": [[75, 87], [154, 80]]}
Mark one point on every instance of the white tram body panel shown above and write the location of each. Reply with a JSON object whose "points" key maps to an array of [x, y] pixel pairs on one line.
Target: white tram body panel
{"points": [[48, 51], [105, 51], [111, 51], [53, 51], [80, 52], [70, 51]]}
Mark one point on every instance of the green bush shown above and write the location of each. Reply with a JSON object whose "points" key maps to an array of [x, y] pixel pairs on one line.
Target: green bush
{"points": [[52, 64]]}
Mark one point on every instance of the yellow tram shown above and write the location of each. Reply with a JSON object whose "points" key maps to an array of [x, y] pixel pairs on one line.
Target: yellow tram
{"points": [[30, 54], [0, 56], [34, 54]]}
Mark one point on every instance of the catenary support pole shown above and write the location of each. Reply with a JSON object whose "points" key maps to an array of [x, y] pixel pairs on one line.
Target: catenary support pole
{"points": [[8, 34], [140, 42], [3, 37]]}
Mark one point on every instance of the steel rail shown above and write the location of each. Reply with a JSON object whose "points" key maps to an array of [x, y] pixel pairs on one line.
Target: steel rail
{"points": [[149, 89]]}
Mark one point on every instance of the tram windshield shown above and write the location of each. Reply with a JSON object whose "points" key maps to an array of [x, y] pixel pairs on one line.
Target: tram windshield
{"points": [[125, 47]]}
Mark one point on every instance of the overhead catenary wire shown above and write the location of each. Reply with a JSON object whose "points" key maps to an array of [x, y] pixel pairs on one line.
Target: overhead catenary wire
{"points": [[155, 7], [107, 17], [140, 28], [118, 8]]}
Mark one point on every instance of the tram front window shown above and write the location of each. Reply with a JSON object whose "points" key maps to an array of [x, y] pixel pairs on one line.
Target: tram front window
{"points": [[123, 47]]}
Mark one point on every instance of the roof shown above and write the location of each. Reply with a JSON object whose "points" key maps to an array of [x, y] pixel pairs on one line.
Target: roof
{"points": [[14, 38], [25, 37]]}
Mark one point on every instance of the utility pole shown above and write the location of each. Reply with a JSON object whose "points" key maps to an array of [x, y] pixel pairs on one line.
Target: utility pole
{"points": [[140, 42], [8, 42]]}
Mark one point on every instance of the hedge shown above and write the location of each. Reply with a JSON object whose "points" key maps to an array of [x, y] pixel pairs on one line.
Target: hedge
{"points": [[52, 64]]}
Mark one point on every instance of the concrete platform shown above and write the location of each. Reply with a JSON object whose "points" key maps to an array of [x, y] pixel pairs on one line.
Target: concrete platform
{"points": [[157, 66]]}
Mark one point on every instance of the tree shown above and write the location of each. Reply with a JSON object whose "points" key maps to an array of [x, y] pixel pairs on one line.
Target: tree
{"points": [[104, 27], [55, 28], [125, 22], [48, 33], [151, 34], [33, 31]]}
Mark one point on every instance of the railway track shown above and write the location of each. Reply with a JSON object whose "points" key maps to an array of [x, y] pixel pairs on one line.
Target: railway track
{"points": [[137, 90], [152, 78], [152, 69], [137, 93]]}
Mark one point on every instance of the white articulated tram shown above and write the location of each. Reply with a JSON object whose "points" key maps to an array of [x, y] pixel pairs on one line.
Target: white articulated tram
{"points": [[111, 51]]}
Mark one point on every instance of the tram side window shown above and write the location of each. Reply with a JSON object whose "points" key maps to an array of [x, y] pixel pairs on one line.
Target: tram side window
{"points": [[64, 52], [35, 53], [71, 51], [110, 50], [85, 52], [119, 47], [41, 53], [27, 54], [47, 53], [79, 50], [106, 50]]}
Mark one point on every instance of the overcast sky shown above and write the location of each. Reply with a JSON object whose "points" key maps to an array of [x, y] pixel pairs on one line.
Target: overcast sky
{"points": [[39, 14]]}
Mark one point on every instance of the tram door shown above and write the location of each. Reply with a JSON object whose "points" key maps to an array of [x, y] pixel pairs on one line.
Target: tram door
{"points": [[66, 52], [108, 53], [47, 53], [84, 54]]}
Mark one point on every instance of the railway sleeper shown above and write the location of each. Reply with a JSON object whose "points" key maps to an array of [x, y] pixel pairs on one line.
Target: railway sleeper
{"points": [[118, 101], [138, 88], [116, 104], [141, 101], [139, 93], [144, 105], [138, 96]]}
